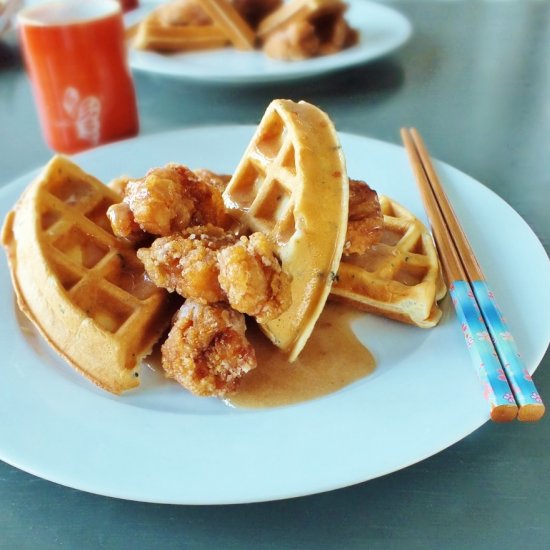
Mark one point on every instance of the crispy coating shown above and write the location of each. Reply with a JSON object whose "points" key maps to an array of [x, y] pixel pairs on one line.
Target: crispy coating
{"points": [[253, 11], [365, 220], [123, 223], [219, 181], [334, 34], [211, 265], [187, 263], [182, 13], [324, 33], [119, 184], [252, 278], [294, 42], [165, 201], [206, 350]]}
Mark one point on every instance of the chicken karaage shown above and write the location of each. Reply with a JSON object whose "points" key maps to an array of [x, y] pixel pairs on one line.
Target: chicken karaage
{"points": [[252, 278], [165, 201], [209, 265], [187, 262], [365, 220], [206, 350]]}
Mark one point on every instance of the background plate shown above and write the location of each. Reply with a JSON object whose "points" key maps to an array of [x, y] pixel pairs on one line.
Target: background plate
{"points": [[382, 30]]}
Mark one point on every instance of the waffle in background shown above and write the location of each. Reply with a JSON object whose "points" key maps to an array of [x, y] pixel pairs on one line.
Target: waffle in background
{"points": [[181, 25], [400, 277], [152, 34], [188, 25], [82, 288], [295, 30]]}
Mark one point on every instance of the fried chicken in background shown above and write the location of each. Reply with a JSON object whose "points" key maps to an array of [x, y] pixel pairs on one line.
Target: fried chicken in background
{"points": [[253, 11], [206, 350], [294, 42], [326, 34], [335, 34], [183, 13]]}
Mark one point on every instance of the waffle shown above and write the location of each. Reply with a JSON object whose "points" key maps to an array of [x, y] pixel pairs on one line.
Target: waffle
{"points": [[400, 277], [164, 30], [228, 19], [291, 184], [295, 11], [151, 34], [83, 289]]}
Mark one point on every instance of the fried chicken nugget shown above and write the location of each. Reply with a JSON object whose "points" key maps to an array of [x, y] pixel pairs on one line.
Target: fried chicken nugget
{"points": [[206, 350], [294, 42], [182, 13], [165, 201], [252, 278], [365, 220], [211, 265], [188, 263], [253, 11]]}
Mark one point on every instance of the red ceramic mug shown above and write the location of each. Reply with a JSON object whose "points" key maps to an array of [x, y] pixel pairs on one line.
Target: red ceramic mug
{"points": [[75, 55]]}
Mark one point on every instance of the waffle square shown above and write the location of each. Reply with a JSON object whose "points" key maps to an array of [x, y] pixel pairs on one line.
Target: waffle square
{"points": [[294, 164], [84, 289], [400, 277]]}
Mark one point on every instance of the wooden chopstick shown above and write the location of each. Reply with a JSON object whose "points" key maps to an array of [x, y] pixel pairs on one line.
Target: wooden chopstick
{"points": [[489, 340]]}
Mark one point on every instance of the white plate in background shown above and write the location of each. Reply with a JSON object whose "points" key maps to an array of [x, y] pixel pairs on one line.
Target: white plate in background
{"points": [[382, 30]]}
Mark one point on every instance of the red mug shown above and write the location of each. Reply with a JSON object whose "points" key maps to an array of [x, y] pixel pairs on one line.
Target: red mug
{"points": [[75, 55]]}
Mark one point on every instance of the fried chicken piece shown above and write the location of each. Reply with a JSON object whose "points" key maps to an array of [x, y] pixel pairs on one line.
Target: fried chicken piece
{"points": [[119, 184], [325, 32], [165, 201], [253, 11], [188, 263], [123, 223], [365, 220], [211, 265], [334, 34], [182, 13], [296, 41], [252, 278], [219, 181], [206, 350]]}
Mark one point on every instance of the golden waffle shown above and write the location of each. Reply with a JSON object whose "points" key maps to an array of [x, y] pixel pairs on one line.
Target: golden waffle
{"points": [[291, 184], [228, 19], [297, 10], [151, 34], [82, 288], [400, 277]]}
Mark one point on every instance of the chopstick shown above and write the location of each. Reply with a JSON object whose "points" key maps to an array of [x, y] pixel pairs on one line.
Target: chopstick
{"points": [[508, 386]]}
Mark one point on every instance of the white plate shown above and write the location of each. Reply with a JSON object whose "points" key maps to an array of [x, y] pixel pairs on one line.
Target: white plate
{"points": [[381, 28], [161, 444]]}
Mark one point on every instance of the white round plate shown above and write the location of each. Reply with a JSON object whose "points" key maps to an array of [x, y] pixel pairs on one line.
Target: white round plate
{"points": [[381, 29], [161, 444]]}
